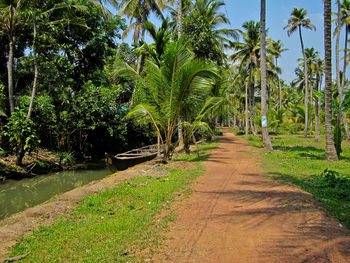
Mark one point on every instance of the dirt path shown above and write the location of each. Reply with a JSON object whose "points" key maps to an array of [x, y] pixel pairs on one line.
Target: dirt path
{"points": [[236, 215]]}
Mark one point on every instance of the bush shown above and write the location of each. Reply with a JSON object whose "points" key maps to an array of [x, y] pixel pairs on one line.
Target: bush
{"points": [[66, 158]]}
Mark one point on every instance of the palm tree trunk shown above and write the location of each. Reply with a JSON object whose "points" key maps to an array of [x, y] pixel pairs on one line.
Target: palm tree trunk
{"points": [[306, 103], [254, 129], [10, 74], [331, 154], [30, 109], [311, 101], [246, 110], [280, 88], [179, 18], [265, 132], [343, 82], [317, 120], [139, 60]]}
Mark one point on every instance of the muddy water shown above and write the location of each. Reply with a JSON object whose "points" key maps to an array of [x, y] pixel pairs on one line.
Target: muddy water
{"points": [[15, 196]]}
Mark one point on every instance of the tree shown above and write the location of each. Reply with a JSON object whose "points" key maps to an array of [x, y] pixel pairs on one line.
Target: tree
{"points": [[265, 132], [40, 17], [298, 21], [140, 11], [12, 19], [247, 52], [343, 18], [180, 76], [331, 154], [203, 27], [277, 49]]}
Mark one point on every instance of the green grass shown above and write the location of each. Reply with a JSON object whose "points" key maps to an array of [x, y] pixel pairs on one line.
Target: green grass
{"points": [[301, 161], [118, 225], [201, 153]]}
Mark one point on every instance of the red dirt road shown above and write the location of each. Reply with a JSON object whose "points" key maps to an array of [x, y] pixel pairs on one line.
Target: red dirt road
{"points": [[237, 215]]}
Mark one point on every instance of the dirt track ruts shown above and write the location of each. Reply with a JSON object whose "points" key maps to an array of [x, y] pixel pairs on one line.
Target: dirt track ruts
{"points": [[237, 215]]}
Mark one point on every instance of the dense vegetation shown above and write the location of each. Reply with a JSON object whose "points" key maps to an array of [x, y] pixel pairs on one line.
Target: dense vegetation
{"points": [[69, 84]]}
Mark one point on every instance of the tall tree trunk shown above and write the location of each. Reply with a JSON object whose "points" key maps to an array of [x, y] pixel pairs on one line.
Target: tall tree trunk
{"points": [[311, 100], [306, 102], [30, 109], [254, 129], [265, 132], [280, 88], [234, 120], [139, 60], [179, 18], [10, 74], [317, 119], [331, 154], [347, 131], [246, 110], [179, 33]]}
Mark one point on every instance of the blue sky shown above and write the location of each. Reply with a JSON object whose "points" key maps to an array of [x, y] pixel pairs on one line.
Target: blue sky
{"points": [[277, 15]]}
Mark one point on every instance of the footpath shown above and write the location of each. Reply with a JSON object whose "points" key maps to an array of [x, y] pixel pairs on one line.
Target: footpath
{"points": [[237, 215]]}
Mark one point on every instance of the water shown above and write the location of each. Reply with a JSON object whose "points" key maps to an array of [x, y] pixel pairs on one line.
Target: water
{"points": [[15, 196]]}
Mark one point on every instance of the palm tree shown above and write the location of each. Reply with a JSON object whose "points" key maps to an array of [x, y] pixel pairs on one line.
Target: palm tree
{"points": [[343, 18], [179, 77], [319, 73], [298, 21], [12, 18], [161, 38], [210, 10], [247, 52], [331, 154], [277, 49], [139, 10], [265, 132]]}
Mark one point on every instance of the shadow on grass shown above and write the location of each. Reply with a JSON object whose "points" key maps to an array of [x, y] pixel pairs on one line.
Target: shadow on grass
{"points": [[336, 200]]}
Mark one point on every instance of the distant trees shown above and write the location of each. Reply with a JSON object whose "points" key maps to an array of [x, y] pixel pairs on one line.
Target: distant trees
{"points": [[297, 21]]}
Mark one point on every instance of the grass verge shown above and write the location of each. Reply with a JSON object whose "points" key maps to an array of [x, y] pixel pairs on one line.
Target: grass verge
{"points": [[301, 161], [114, 225]]}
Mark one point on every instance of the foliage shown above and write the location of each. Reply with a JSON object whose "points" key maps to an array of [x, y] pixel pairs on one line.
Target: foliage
{"points": [[203, 28], [179, 77], [66, 158], [21, 132], [2, 101]]}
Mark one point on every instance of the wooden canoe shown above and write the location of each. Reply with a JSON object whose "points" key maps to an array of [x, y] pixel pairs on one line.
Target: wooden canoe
{"points": [[128, 159]]}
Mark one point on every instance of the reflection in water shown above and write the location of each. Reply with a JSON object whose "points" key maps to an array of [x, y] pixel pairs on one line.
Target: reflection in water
{"points": [[15, 196]]}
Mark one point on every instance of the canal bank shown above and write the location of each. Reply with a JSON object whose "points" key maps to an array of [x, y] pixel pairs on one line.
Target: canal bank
{"points": [[23, 223]]}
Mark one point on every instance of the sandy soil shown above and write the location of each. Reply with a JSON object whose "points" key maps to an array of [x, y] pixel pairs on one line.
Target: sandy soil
{"points": [[237, 215], [23, 223]]}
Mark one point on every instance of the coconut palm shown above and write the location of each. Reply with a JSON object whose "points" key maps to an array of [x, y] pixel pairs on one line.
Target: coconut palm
{"points": [[161, 38], [331, 154], [248, 53], [277, 49], [265, 132], [343, 19], [319, 73], [138, 11], [207, 12], [298, 21], [179, 77], [210, 10]]}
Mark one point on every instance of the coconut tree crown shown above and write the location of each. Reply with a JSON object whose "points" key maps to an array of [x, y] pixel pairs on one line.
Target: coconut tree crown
{"points": [[298, 19]]}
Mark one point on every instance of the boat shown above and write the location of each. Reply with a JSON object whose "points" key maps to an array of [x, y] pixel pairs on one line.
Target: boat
{"points": [[123, 161]]}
